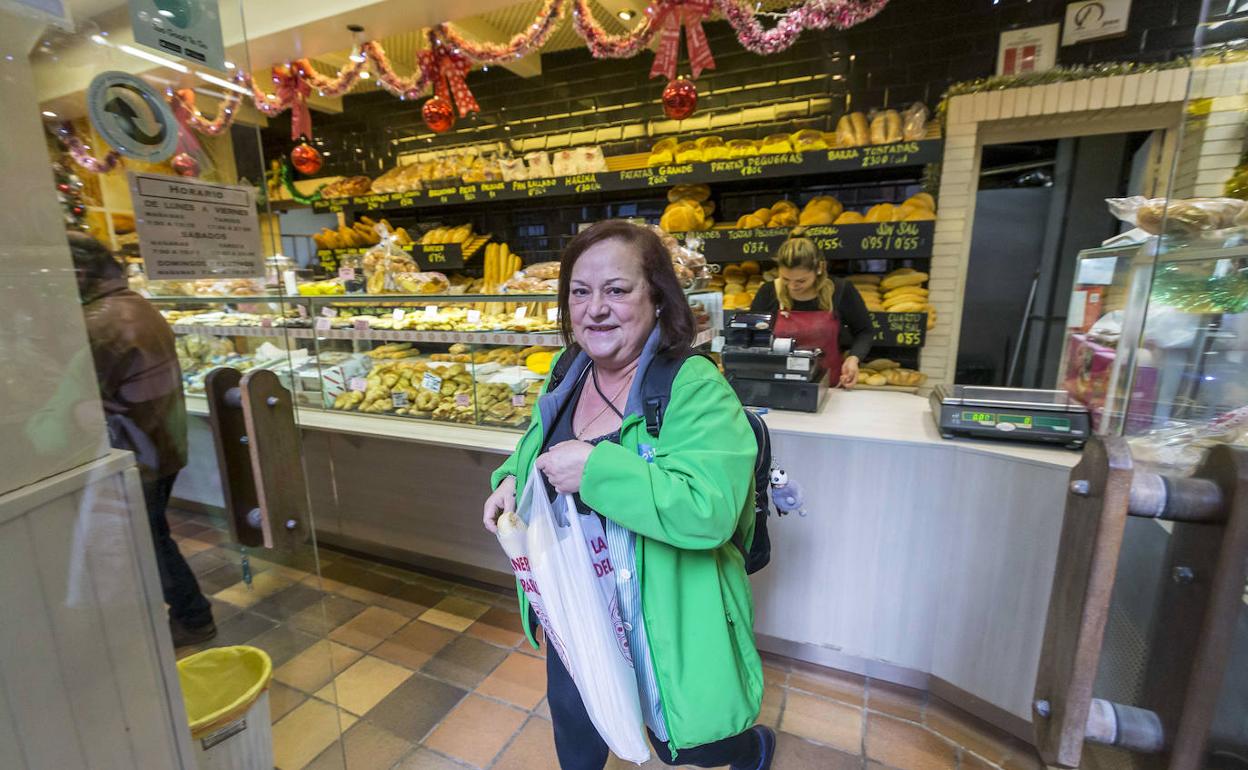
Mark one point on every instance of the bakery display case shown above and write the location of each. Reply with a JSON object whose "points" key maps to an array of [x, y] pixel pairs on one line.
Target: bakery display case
{"points": [[1157, 338], [465, 359]]}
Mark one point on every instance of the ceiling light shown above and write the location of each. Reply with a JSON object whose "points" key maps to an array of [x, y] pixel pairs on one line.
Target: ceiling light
{"points": [[356, 56], [99, 39], [49, 114], [165, 13], [326, 153], [216, 81], [229, 65], [365, 75], [627, 14], [162, 61]]}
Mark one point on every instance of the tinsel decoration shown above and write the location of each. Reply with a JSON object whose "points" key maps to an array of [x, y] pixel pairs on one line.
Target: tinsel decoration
{"points": [[183, 103], [520, 45], [604, 45], [336, 85], [813, 14], [69, 193], [184, 164], [287, 182], [1190, 292], [81, 153]]}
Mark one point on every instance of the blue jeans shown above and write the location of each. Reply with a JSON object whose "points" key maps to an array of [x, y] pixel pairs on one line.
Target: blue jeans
{"points": [[581, 748]]}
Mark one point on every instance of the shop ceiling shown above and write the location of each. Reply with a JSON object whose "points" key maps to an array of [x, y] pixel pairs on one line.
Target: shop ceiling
{"points": [[280, 30]]}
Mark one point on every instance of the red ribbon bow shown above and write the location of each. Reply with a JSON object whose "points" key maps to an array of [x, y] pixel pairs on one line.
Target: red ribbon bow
{"points": [[447, 71], [293, 89], [671, 16], [183, 103]]}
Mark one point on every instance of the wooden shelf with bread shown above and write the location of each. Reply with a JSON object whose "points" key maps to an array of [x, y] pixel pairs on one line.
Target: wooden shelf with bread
{"points": [[665, 166]]}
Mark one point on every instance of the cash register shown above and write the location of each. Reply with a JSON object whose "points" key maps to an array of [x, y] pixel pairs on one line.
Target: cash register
{"points": [[769, 371]]}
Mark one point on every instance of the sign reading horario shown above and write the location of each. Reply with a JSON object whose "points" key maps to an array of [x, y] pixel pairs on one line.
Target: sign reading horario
{"points": [[190, 229]]}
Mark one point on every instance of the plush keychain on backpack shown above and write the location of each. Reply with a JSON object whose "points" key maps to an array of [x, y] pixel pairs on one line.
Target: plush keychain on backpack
{"points": [[786, 494]]}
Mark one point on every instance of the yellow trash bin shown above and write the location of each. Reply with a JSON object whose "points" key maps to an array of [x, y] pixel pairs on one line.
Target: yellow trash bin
{"points": [[226, 691]]}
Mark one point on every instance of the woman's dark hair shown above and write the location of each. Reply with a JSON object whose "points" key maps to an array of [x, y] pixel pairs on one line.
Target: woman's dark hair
{"points": [[677, 327], [92, 260]]}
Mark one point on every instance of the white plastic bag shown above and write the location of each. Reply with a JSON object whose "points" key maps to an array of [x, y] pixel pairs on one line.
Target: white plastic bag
{"points": [[569, 581]]}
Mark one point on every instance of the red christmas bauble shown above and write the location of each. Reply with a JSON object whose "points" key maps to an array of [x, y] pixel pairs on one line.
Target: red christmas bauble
{"points": [[184, 164], [63, 187], [680, 99], [306, 159], [439, 115]]}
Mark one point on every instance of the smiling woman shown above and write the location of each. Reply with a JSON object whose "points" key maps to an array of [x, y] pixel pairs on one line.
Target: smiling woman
{"points": [[671, 504]]}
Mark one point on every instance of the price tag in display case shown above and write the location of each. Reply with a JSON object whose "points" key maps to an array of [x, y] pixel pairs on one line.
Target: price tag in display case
{"points": [[329, 312], [398, 315], [323, 324], [358, 384], [399, 399], [552, 314], [521, 312], [360, 324], [431, 382], [474, 316], [431, 311], [517, 400], [463, 399]]}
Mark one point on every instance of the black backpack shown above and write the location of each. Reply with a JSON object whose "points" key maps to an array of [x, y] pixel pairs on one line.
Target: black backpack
{"points": [[656, 391]]}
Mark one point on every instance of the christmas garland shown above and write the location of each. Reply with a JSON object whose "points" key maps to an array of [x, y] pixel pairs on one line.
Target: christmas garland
{"points": [[522, 44], [81, 152], [813, 14], [1190, 293], [284, 175]]}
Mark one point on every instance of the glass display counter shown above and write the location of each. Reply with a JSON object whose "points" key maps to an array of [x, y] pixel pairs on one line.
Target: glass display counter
{"points": [[466, 359], [1157, 337]]}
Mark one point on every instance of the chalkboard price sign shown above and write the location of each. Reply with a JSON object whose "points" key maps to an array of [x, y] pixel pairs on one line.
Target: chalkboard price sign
{"points": [[883, 240], [899, 330], [438, 256]]}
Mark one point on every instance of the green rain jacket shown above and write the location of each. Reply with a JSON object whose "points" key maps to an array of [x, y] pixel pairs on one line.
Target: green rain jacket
{"points": [[685, 506]]}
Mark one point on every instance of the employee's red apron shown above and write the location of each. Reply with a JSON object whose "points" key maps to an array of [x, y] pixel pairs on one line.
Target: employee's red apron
{"points": [[813, 329]]}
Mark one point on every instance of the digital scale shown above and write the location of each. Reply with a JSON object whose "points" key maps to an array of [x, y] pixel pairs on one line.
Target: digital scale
{"points": [[1014, 414]]}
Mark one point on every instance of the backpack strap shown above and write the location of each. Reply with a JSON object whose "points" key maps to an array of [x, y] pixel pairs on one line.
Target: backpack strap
{"points": [[656, 388], [562, 366]]}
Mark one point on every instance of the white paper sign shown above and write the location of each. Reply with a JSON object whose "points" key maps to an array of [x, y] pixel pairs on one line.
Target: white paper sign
{"points": [[190, 229], [1094, 20], [322, 324], [292, 285], [398, 315], [1097, 270], [521, 312], [431, 311], [188, 29], [474, 316], [431, 382], [552, 314], [1032, 49]]}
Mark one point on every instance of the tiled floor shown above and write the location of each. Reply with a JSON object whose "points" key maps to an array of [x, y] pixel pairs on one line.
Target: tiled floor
{"points": [[377, 668]]}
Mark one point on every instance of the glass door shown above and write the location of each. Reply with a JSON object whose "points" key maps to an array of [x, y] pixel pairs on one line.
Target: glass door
{"points": [[201, 345]]}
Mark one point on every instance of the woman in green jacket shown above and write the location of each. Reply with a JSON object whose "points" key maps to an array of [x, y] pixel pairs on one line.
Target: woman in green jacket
{"points": [[671, 506]]}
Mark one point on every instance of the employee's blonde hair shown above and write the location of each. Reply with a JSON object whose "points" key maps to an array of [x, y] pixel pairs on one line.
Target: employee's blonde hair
{"points": [[800, 253]]}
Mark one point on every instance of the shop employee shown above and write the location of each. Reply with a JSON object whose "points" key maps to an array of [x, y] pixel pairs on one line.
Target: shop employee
{"points": [[816, 310]]}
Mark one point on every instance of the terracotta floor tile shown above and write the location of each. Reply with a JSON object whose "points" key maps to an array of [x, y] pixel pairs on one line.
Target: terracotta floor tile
{"points": [[326, 615], [498, 626], [836, 724], [424, 759], [487, 597], [533, 748], [368, 629], [365, 684], [212, 537], [520, 680], [190, 547], [313, 668], [906, 745], [838, 685], [263, 585], [366, 748], [543, 710], [283, 700], [895, 700], [418, 594], [968, 761], [1024, 757], [305, 732], [455, 613], [773, 703], [287, 602], [240, 629], [414, 644], [775, 676], [969, 732], [405, 608], [283, 643], [793, 753], [465, 662], [361, 577], [476, 730], [219, 578], [204, 562], [222, 611], [415, 707]]}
